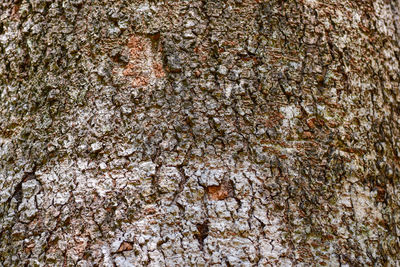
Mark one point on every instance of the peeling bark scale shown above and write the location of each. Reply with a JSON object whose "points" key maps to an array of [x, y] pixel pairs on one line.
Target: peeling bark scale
{"points": [[199, 133]]}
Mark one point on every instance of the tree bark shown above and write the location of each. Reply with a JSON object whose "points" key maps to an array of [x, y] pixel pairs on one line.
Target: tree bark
{"points": [[199, 133]]}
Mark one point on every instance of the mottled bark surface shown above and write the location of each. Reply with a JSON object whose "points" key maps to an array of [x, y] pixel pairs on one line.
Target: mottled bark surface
{"points": [[199, 133]]}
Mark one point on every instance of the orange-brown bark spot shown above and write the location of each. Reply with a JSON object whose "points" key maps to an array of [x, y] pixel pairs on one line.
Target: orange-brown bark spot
{"points": [[311, 123], [14, 11], [307, 135], [145, 62], [129, 70], [139, 81], [158, 70], [125, 246], [219, 192]]}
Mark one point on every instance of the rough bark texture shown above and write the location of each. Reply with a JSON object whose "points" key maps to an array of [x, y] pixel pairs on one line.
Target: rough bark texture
{"points": [[199, 133]]}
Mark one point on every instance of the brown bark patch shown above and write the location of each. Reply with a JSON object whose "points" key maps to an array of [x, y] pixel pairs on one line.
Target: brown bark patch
{"points": [[158, 70], [136, 46], [307, 135], [145, 64], [14, 11], [219, 192], [125, 246]]}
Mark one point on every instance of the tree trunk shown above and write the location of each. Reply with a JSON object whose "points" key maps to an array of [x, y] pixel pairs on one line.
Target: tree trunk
{"points": [[199, 133]]}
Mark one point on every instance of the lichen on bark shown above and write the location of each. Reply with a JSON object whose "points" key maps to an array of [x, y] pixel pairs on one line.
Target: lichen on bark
{"points": [[199, 133]]}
